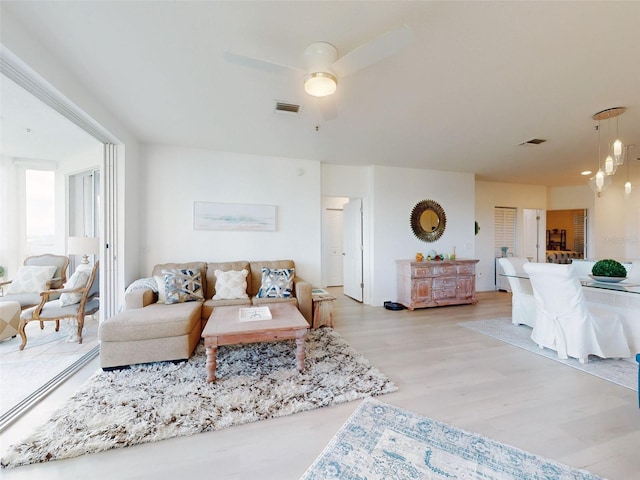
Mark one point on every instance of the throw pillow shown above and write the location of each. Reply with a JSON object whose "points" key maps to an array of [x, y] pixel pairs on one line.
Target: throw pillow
{"points": [[162, 291], [31, 279], [231, 285], [78, 279], [182, 285], [277, 282]]}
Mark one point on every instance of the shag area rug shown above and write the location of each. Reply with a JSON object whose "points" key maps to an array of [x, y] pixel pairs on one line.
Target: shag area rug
{"points": [[147, 403], [621, 372], [383, 442]]}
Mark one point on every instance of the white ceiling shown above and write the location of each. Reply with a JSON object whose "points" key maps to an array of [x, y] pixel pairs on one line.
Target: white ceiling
{"points": [[478, 79], [29, 129]]}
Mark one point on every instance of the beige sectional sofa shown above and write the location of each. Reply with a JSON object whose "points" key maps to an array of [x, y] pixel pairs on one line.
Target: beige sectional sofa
{"points": [[147, 331]]}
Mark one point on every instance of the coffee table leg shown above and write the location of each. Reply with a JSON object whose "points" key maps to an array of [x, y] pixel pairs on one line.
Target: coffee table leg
{"points": [[301, 335], [212, 349]]}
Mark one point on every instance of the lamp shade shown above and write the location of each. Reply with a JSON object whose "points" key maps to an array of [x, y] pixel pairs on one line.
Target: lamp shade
{"points": [[83, 246]]}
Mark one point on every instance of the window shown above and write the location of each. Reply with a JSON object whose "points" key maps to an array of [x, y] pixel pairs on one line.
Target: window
{"points": [[505, 230], [40, 214]]}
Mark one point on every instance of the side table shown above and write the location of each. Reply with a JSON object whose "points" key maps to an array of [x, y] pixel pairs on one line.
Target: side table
{"points": [[322, 308]]}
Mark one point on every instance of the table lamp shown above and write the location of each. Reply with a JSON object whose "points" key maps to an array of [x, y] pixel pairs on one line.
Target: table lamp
{"points": [[84, 246]]}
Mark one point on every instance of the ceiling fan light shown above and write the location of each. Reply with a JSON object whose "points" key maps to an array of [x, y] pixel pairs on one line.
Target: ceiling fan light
{"points": [[320, 84]]}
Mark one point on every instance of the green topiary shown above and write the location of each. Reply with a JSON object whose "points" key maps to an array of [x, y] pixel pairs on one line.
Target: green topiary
{"points": [[608, 268], [1, 271]]}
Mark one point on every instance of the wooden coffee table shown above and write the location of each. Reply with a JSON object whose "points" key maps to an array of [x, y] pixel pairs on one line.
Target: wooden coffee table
{"points": [[224, 327]]}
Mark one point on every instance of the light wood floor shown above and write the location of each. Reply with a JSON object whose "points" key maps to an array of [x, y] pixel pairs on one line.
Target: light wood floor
{"points": [[442, 370]]}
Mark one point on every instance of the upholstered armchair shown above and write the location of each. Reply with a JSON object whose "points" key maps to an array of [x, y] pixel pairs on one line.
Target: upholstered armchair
{"points": [[34, 277], [79, 298], [564, 321]]}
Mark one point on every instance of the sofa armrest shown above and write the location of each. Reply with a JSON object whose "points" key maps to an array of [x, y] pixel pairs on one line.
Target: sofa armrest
{"points": [[305, 302], [139, 298]]}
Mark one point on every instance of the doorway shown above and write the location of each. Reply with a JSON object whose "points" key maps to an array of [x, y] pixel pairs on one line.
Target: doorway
{"points": [[566, 230]]}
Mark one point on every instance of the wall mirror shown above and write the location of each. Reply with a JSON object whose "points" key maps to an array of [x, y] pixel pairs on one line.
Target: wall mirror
{"points": [[428, 220]]}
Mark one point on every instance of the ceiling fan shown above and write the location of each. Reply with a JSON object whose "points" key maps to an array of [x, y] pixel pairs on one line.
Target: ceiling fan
{"points": [[323, 67]]}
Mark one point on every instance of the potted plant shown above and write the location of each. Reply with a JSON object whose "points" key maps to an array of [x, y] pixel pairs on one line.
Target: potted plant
{"points": [[1, 271], [608, 270]]}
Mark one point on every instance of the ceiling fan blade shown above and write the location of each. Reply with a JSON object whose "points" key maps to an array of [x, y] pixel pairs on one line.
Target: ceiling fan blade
{"points": [[372, 52], [258, 64], [328, 108]]}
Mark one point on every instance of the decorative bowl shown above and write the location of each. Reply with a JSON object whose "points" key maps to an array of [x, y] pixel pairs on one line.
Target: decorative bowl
{"points": [[599, 278]]}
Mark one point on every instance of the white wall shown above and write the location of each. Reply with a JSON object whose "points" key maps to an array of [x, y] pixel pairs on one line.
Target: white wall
{"points": [[395, 192], [176, 177], [489, 195], [389, 194]]}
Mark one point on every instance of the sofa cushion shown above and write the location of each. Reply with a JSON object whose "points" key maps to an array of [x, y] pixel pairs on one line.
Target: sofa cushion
{"points": [[231, 285], [153, 321], [202, 266], [277, 282], [31, 279], [255, 273], [182, 285], [211, 269]]}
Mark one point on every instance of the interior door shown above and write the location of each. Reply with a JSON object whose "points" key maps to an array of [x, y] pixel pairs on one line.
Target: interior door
{"points": [[334, 247], [533, 244], [353, 277]]}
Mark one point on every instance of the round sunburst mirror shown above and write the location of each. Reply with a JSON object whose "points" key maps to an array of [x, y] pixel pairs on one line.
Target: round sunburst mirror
{"points": [[428, 220]]}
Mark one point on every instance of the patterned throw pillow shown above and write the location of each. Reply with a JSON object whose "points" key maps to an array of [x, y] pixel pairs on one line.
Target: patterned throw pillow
{"points": [[277, 282], [182, 285], [77, 280], [231, 285], [31, 279]]}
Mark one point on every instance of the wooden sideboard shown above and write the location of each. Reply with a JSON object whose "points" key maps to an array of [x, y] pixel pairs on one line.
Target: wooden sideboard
{"points": [[436, 283]]}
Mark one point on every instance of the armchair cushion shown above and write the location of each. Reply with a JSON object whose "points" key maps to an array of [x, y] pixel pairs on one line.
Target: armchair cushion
{"points": [[277, 282], [31, 279], [79, 279]]}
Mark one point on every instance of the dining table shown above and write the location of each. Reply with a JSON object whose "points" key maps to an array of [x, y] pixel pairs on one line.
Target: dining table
{"points": [[621, 297]]}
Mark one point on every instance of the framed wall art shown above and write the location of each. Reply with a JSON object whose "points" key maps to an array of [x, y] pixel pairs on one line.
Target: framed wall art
{"points": [[234, 216]]}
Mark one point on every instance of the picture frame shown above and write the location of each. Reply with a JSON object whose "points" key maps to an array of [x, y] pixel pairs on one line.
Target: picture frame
{"points": [[234, 216]]}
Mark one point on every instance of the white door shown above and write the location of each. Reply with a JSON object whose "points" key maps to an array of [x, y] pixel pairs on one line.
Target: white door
{"points": [[533, 238], [334, 247], [353, 283]]}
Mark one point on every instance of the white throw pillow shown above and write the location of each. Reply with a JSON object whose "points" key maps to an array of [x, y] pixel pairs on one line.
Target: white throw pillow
{"points": [[31, 279], [162, 290], [78, 279], [231, 285]]}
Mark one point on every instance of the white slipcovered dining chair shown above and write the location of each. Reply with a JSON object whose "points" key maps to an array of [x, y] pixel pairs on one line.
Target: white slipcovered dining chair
{"points": [[564, 321], [523, 304]]}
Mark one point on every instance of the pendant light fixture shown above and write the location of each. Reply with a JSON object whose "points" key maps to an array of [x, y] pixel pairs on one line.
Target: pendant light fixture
{"points": [[599, 180], [614, 156], [627, 185]]}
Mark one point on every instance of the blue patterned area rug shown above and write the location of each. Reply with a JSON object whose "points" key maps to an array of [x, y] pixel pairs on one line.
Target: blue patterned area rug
{"points": [[383, 442], [621, 372]]}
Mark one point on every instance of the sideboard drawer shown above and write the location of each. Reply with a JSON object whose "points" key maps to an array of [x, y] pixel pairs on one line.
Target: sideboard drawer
{"points": [[419, 272], [467, 268], [444, 270], [444, 282]]}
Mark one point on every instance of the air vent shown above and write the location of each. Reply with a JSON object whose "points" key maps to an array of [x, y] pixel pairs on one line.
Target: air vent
{"points": [[288, 108], [533, 141]]}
